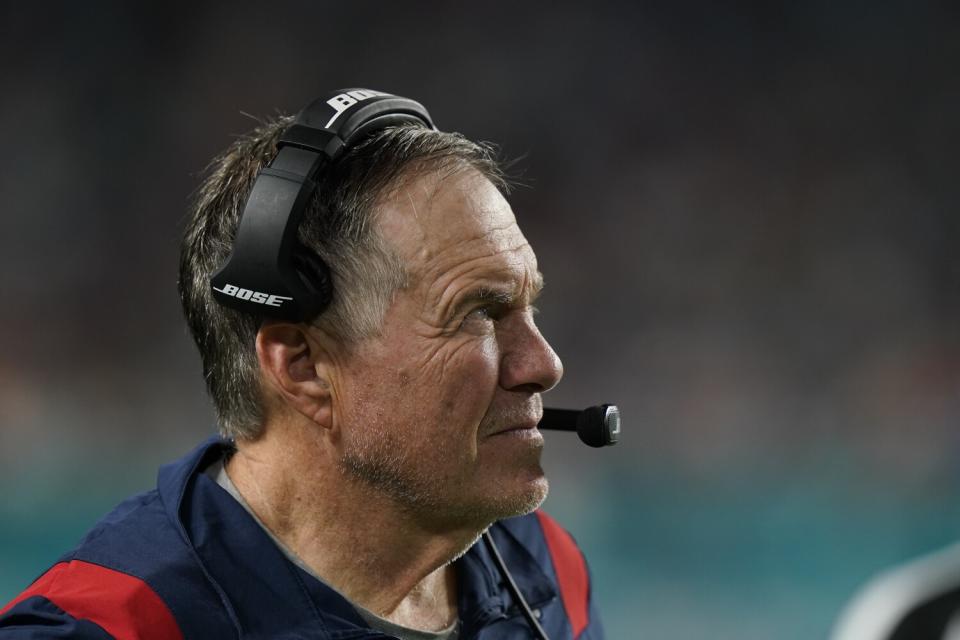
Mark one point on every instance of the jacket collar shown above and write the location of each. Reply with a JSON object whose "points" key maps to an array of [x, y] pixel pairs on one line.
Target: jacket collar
{"points": [[267, 596]]}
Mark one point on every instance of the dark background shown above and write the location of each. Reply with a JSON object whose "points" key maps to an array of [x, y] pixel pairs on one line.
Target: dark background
{"points": [[746, 214]]}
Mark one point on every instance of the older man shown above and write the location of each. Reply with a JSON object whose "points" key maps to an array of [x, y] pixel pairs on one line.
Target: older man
{"points": [[371, 434]]}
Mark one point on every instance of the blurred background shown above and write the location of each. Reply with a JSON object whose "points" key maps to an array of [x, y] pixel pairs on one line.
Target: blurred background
{"points": [[746, 214]]}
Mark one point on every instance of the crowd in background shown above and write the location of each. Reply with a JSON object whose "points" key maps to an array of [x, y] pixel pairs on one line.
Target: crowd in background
{"points": [[746, 216]]}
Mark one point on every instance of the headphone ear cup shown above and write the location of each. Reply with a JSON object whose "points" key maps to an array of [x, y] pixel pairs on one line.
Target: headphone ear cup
{"points": [[315, 276]]}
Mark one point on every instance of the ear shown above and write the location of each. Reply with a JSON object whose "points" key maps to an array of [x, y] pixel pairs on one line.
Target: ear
{"points": [[296, 368]]}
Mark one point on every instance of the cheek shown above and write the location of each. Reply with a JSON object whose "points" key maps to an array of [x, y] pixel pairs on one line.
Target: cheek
{"points": [[445, 390], [471, 368], [457, 379]]}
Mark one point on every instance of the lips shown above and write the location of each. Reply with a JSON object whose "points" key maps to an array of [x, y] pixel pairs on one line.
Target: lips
{"points": [[527, 428], [518, 419], [521, 427]]}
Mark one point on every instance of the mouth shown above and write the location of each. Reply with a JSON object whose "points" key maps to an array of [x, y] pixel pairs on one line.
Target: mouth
{"points": [[525, 431], [516, 421]]}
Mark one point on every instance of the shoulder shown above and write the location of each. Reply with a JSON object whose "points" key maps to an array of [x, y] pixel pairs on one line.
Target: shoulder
{"points": [[130, 577], [88, 600], [920, 599], [139, 540]]}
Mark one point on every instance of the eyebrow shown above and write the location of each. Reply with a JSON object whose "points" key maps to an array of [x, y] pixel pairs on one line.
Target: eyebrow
{"points": [[500, 295]]}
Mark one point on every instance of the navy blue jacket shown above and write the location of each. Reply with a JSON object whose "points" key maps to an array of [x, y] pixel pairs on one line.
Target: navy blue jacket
{"points": [[187, 561]]}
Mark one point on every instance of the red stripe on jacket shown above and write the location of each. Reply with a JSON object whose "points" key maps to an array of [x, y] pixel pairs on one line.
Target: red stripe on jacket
{"points": [[571, 571], [123, 606]]}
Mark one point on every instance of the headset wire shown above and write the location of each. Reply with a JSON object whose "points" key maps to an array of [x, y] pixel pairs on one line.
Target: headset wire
{"points": [[512, 587]]}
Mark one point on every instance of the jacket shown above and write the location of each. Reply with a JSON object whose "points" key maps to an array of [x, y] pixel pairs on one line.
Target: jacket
{"points": [[185, 560]]}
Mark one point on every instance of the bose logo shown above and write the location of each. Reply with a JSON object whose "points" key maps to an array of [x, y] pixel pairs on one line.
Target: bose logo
{"points": [[253, 296], [344, 101]]}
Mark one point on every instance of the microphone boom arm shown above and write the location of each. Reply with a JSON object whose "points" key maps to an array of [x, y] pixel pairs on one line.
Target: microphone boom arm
{"points": [[597, 426]]}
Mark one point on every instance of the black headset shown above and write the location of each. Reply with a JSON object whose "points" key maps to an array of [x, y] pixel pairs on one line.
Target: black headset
{"points": [[270, 274]]}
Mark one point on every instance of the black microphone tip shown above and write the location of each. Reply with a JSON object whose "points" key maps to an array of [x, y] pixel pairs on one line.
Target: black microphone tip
{"points": [[599, 426]]}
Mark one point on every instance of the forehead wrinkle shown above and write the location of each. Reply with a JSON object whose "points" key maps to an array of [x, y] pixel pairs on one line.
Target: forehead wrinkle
{"points": [[480, 272], [482, 238], [479, 243], [428, 243], [454, 243], [511, 289]]}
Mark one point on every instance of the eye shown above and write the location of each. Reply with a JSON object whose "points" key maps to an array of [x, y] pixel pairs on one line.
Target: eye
{"points": [[483, 316], [485, 312]]}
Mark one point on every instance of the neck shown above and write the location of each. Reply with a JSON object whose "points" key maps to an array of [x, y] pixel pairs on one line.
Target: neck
{"points": [[354, 537]]}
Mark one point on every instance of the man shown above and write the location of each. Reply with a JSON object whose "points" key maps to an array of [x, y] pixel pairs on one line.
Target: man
{"points": [[365, 449]]}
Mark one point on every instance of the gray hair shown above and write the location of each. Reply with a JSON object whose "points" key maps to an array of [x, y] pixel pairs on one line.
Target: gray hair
{"points": [[339, 225]]}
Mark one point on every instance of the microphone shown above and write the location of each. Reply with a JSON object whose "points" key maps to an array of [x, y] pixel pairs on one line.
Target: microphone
{"points": [[597, 426]]}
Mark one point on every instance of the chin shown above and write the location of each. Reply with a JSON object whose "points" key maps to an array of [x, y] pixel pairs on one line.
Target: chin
{"points": [[523, 500], [538, 494], [496, 498]]}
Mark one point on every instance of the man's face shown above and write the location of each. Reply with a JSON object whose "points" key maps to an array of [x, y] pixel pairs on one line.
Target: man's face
{"points": [[439, 411]]}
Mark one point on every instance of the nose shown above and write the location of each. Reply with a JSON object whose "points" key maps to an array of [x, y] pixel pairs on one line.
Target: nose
{"points": [[528, 362]]}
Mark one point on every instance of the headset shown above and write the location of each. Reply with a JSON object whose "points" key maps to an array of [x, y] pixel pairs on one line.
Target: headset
{"points": [[270, 274]]}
